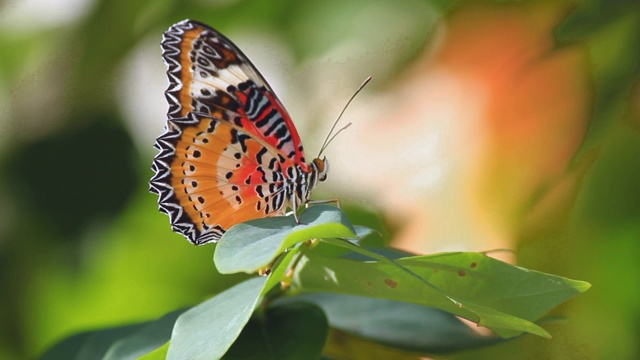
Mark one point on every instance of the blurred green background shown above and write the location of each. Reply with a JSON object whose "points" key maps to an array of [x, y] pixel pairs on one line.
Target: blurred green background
{"points": [[543, 151]]}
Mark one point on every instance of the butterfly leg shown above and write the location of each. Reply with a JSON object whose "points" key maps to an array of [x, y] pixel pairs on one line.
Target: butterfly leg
{"points": [[294, 208], [295, 216], [325, 201]]}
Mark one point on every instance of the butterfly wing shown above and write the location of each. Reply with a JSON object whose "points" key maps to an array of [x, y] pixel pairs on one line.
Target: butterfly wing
{"points": [[228, 142], [207, 73], [212, 174]]}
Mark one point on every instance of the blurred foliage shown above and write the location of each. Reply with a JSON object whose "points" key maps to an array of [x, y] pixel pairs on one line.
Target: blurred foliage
{"points": [[82, 245], [77, 180]]}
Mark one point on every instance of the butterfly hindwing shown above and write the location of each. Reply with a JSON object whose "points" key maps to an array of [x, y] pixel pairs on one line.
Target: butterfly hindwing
{"points": [[207, 73], [211, 175]]}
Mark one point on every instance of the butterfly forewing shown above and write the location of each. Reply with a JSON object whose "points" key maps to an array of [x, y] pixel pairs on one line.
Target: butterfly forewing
{"points": [[207, 71]]}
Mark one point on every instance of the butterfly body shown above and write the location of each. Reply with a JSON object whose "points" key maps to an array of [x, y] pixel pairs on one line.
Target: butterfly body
{"points": [[230, 152]]}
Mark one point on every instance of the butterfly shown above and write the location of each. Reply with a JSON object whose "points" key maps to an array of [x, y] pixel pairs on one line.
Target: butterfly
{"points": [[230, 151]]}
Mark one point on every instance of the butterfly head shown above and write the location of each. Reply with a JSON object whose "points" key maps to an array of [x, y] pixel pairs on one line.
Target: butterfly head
{"points": [[320, 167]]}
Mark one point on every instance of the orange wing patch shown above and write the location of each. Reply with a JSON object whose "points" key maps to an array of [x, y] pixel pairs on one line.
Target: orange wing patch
{"points": [[219, 175]]}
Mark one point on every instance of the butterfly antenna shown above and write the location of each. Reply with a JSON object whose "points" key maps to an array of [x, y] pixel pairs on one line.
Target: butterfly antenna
{"points": [[329, 137], [333, 137]]}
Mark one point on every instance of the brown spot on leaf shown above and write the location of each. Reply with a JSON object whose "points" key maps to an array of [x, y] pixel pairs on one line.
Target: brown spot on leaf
{"points": [[474, 264], [390, 283], [461, 273]]}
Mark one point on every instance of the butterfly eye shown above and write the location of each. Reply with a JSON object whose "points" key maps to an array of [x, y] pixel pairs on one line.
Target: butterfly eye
{"points": [[322, 167]]}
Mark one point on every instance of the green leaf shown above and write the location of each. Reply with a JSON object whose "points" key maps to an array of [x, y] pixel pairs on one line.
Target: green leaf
{"points": [[397, 324], [89, 345], [253, 245], [364, 231], [207, 330], [125, 342], [515, 290], [291, 331], [148, 338], [157, 354], [500, 296]]}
